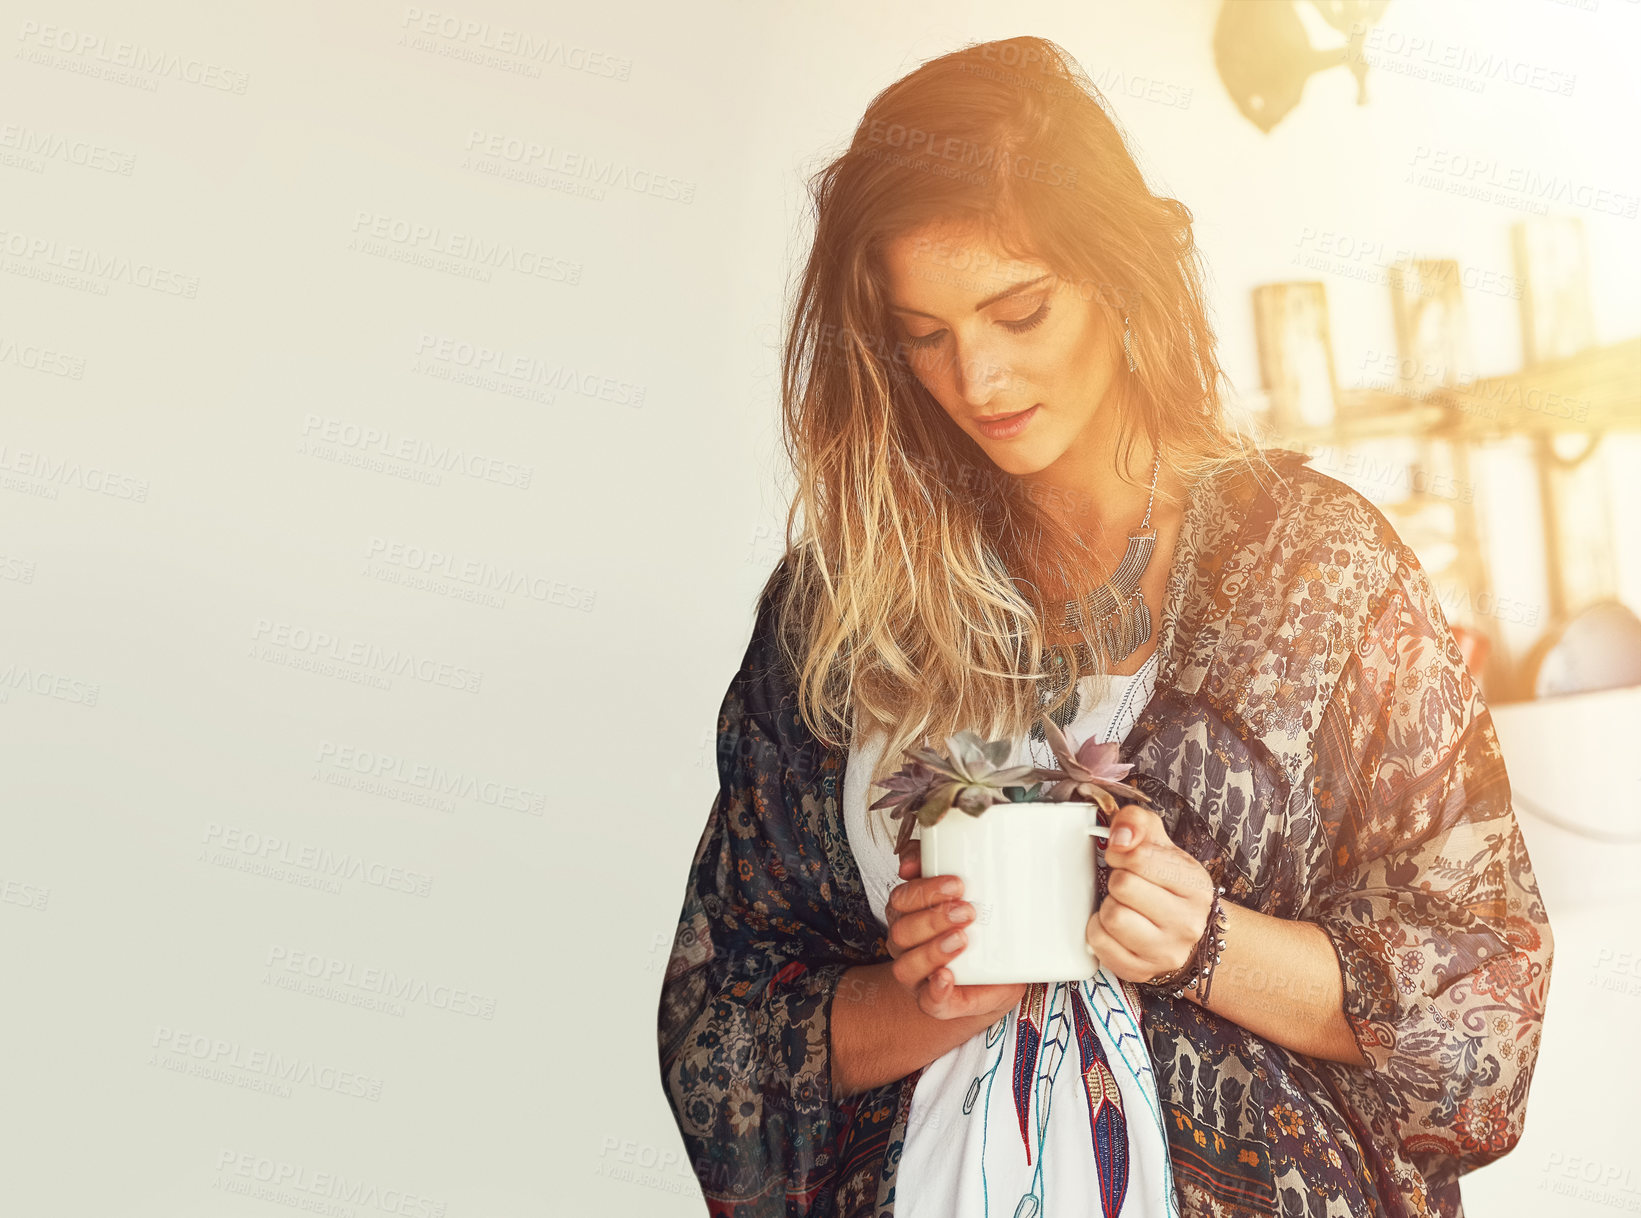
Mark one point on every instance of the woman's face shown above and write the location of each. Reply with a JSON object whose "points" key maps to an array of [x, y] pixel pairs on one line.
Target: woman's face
{"points": [[990, 336]]}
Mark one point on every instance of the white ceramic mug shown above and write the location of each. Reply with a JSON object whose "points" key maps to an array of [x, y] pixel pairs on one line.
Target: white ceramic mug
{"points": [[1028, 870]]}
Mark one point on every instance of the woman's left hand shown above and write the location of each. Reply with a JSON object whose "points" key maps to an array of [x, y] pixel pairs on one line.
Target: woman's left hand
{"points": [[1157, 899]]}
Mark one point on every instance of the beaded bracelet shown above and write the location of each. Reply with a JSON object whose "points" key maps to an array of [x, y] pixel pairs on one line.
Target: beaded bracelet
{"points": [[1198, 971]]}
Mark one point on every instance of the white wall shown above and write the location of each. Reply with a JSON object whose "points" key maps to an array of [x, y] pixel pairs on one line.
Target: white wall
{"points": [[186, 508]]}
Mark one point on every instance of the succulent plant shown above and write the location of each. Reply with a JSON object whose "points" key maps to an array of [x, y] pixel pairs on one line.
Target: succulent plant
{"points": [[973, 778], [976, 776], [1089, 772], [908, 787]]}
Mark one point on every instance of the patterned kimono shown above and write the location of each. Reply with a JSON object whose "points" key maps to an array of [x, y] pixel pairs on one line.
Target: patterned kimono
{"points": [[1316, 741]]}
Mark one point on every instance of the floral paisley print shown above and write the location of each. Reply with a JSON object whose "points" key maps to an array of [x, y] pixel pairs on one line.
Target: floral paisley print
{"points": [[1315, 740]]}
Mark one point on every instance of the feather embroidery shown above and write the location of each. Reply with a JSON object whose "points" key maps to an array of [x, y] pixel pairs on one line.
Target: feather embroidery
{"points": [[1028, 1036], [1106, 1122]]}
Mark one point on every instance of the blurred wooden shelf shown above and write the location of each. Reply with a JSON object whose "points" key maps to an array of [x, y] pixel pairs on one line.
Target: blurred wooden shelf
{"points": [[1597, 390], [1365, 414]]}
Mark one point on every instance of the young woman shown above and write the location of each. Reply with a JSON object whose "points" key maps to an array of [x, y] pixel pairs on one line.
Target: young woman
{"points": [[1019, 496]]}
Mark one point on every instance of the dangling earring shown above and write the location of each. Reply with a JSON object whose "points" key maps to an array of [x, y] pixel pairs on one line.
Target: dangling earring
{"points": [[1126, 350]]}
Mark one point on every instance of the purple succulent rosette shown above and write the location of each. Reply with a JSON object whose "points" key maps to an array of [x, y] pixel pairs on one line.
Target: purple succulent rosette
{"points": [[974, 777], [1090, 772]]}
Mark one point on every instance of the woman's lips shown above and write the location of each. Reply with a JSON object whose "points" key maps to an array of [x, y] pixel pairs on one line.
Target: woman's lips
{"points": [[1007, 426]]}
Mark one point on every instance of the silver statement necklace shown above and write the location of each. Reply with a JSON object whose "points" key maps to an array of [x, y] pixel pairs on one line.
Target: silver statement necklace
{"points": [[1101, 613]]}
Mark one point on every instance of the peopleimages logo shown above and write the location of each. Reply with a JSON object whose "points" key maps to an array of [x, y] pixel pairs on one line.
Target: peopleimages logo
{"points": [[216, 1058], [1486, 179], [101, 268], [368, 657], [32, 680], [966, 155], [56, 472], [505, 40], [481, 359], [301, 1187], [41, 359], [385, 982], [587, 168], [271, 849], [479, 573], [95, 48], [467, 247], [435, 779], [49, 146], [369, 443]]}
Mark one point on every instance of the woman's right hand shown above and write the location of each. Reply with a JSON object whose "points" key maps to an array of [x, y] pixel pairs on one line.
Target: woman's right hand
{"points": [[922, 914]]}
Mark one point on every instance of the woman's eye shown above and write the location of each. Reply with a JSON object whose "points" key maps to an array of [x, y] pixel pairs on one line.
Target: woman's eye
{"points": [[1027, 323], [1030, 322]]}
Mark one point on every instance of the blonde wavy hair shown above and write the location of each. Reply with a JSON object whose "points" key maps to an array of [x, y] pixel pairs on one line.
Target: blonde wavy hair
{"points": [[901, 602]]}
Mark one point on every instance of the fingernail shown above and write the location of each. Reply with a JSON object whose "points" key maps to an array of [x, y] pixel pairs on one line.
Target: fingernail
{"points": [[951, 888], [962, 912], [952, 941], [1122, 837]]}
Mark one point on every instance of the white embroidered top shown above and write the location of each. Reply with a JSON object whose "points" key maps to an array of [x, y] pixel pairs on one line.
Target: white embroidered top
{"points": [[984, 1135]]}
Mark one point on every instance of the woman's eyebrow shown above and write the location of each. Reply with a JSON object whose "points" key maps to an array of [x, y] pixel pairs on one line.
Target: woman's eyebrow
{"points": [[984, 304]]}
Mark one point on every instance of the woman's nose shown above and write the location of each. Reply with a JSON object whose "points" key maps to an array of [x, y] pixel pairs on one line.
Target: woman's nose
{"points": [[978, 375]]}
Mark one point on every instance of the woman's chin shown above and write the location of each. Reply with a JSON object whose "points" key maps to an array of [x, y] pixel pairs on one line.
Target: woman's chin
{"points": [[1019, 457]]}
